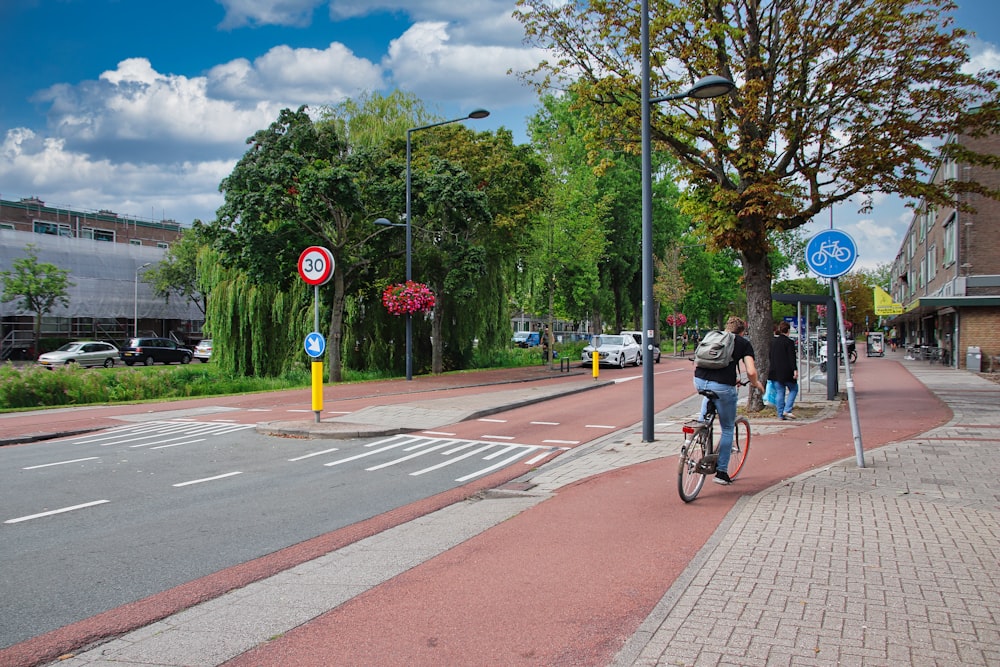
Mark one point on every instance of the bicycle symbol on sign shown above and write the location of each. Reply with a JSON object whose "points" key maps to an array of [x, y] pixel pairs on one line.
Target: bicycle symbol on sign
{"points": [[830, 250]]}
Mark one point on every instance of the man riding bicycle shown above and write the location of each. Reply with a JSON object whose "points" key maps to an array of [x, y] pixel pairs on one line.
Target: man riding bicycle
{"points": [[723, 382]]}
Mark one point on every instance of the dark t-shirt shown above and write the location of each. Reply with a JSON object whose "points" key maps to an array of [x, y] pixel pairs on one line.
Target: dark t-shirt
{"points": [[741, 348]]}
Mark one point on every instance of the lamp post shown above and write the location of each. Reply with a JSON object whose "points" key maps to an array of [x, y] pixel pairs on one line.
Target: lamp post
{"points": [[474, 115], [704, 88], [135, 300]]}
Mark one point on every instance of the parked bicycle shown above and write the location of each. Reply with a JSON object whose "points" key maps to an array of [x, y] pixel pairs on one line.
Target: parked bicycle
{"points": [[699, 455]]}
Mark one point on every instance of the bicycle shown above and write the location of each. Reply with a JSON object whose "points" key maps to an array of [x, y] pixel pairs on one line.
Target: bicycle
{"points": [[830, 250], [698, 455]]}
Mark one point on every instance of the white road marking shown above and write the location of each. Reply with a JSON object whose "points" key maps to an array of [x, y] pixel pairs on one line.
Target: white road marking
{"points": [[452, 449], [177, 444], [325, 451], [436, 433], [497, 437], [453, 460], [59, 463], [562, 442], [544, 423], [59, 511], [422, 450], [495, 466], [406, 441], [494, 421], [599, 426], [208, 479]]}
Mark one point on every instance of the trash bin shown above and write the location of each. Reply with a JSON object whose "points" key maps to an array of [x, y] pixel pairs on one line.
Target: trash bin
{"points": [[973, 359]]}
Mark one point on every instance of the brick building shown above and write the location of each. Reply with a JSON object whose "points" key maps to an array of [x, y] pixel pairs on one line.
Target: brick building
{"points": [[947, 272], [105, 255]]}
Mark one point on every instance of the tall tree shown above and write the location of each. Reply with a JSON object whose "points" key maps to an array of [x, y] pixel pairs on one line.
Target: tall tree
{"points": [[296, 186], [836, 100], [39, 287]]}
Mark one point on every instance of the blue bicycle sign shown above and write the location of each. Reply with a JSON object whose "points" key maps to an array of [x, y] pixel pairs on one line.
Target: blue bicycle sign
{"points": [[831, 253]]}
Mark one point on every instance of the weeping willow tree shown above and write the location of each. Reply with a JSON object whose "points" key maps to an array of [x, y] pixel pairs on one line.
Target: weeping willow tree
{"points": [[258, 328]]}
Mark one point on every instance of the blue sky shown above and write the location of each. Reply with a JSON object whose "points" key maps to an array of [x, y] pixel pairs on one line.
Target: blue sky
{"points": [[143, 106]]}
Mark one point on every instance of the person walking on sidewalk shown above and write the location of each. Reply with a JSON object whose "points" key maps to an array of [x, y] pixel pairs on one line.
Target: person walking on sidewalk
{"points": [[723, 382], [784, 372]]}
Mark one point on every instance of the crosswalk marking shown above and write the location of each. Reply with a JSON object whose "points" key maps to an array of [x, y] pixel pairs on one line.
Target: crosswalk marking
{"points": [[453, 451], [160, 433]]}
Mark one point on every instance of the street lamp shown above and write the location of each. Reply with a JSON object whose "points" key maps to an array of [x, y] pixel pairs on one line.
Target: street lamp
{"points": [[135, 300], [705, 88], [474, 115]]}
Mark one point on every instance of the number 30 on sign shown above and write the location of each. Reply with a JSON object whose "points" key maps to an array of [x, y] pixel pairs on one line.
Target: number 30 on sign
{"points": [[316, 265]]}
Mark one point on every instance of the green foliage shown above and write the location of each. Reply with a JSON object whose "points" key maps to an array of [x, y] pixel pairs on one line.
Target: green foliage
{"points": [[257, 329], [37, 387], [177, 274]]}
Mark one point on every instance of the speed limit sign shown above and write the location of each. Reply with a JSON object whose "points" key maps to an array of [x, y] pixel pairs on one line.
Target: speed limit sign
{"points": [[316, 265]]}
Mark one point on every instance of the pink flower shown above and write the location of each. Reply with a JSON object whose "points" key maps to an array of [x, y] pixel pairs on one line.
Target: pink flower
{"points": [[678, 319], [408, 298]]}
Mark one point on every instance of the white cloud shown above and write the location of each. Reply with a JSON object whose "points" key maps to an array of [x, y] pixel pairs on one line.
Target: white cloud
{"points": [[300, 76], [240, 13], [424, 61], [33, 165], [982, 56], [136, 113]]}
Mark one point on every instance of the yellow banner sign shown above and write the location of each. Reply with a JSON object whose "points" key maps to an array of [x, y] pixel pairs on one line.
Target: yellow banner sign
{"points": [[884, 305]]}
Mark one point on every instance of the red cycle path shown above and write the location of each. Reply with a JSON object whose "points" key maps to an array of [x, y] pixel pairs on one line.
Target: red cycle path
{"points": [[568, 581]]}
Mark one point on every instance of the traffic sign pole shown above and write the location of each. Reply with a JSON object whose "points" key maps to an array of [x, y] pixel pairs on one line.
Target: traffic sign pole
{"points": [[831, 254], [316, 268]]}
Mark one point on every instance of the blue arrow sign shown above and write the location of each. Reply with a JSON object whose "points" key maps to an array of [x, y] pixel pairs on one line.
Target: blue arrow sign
{"points": [[831, 253], [315, 344]]}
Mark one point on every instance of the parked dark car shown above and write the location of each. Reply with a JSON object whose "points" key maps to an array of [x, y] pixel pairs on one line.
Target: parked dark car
{"points": [[149, 351]]}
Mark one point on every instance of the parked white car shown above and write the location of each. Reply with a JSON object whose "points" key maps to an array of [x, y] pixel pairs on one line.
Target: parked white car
{"points": [[85, 353], [637, 335], [613, 350]]}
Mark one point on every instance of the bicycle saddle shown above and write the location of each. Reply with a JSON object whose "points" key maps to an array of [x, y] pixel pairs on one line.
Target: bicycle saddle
{"points": [[708, 393]]}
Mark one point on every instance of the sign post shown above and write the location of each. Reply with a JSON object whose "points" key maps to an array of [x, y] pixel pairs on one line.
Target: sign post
{"points": [[316, 268], [831, 254]]}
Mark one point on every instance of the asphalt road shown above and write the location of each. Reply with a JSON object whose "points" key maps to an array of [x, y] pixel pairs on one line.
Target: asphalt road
{"points": [[96, 521]]}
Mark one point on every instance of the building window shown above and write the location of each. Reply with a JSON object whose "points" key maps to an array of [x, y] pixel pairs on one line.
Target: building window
{"points": [[98, 234], [950, 231], [6, 225], [134, 242], [162, 245], [931, 262], [53, 228]]}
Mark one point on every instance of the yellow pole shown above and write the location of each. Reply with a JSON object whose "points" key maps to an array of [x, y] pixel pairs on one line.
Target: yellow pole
{"points": [[594, 357], [317, 388]]}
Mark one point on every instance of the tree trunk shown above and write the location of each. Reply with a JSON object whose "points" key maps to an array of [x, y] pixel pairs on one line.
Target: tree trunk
{"points": [[437, 347], [757, 280], [335, 339], [38, 335]]}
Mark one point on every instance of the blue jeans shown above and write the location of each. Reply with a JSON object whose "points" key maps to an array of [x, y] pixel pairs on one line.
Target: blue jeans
{"points": [[725, 405], [782, 403]]}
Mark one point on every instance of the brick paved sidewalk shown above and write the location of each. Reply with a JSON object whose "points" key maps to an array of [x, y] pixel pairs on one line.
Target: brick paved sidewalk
{"points": [[892, 564]]}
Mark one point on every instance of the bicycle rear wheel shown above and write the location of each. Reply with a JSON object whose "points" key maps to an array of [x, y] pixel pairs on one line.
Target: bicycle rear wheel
{"points": [[689, 480], [741, 446]]}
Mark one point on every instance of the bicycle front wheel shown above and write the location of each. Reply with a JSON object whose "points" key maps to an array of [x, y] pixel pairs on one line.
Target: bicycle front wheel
{"points": [[689, 480], [741, 446]]}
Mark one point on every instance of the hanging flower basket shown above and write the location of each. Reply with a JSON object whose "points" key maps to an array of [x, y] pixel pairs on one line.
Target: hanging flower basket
{"points": [[677, 319], [408, 298]]}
